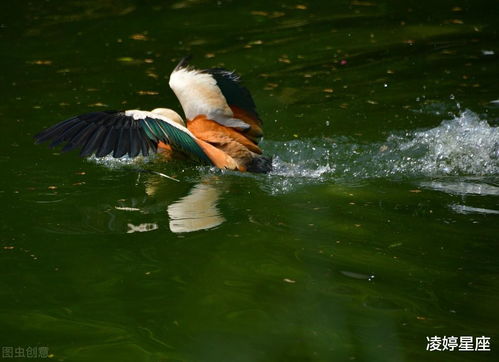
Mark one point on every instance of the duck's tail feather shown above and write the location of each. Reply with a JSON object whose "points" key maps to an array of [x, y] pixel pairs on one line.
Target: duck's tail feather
{"points": [[219, 158]]}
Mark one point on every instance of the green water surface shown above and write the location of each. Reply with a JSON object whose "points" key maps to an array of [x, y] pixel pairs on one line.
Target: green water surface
{"points": [[377, 228]]}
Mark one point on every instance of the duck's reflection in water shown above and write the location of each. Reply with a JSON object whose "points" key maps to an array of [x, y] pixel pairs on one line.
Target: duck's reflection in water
{"points": [[198, 210], [145, 212]]}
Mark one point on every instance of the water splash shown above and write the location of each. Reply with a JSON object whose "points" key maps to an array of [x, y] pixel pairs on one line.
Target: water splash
{"points": [[464, 145], [120, 163]]}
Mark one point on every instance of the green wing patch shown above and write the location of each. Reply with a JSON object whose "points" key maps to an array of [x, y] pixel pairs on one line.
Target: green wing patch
{"points": [[159, 130]]}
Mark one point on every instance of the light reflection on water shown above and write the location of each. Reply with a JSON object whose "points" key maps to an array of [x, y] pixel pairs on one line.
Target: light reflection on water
{"points": [[463, 187], [463, 209]]}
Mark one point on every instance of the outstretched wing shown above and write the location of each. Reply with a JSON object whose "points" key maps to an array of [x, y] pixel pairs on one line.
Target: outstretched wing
{"points": [[121, 133], [219, 95], [234, 92], [239, 100]]}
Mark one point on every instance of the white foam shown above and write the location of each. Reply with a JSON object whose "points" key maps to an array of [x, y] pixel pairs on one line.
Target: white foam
{"points": [[119, 163], [462, 146]]}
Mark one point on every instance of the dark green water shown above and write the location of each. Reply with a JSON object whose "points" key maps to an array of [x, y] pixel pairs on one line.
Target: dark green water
{"points": [[377, 228]]}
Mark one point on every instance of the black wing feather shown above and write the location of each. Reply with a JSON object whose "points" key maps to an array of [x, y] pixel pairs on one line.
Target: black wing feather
{"points": [[134, 142], [232, 89], [123, 142], [142, 140], [119, 134], [92, 144], [80, 138], [66, 133], [50, 132], [108, 143]]}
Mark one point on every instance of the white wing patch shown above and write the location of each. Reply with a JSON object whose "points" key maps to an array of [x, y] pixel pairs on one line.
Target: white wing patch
{"points": [[138, 114]]}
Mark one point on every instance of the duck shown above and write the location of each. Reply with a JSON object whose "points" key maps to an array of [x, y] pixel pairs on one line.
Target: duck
{"points": [[222, 127]]}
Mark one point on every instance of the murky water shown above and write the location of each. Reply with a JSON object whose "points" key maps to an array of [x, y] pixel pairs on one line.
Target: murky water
{"points": [[376, 228]]}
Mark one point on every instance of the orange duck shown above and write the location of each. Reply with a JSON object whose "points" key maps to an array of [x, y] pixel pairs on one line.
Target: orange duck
{"points": [[223, 128]]}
